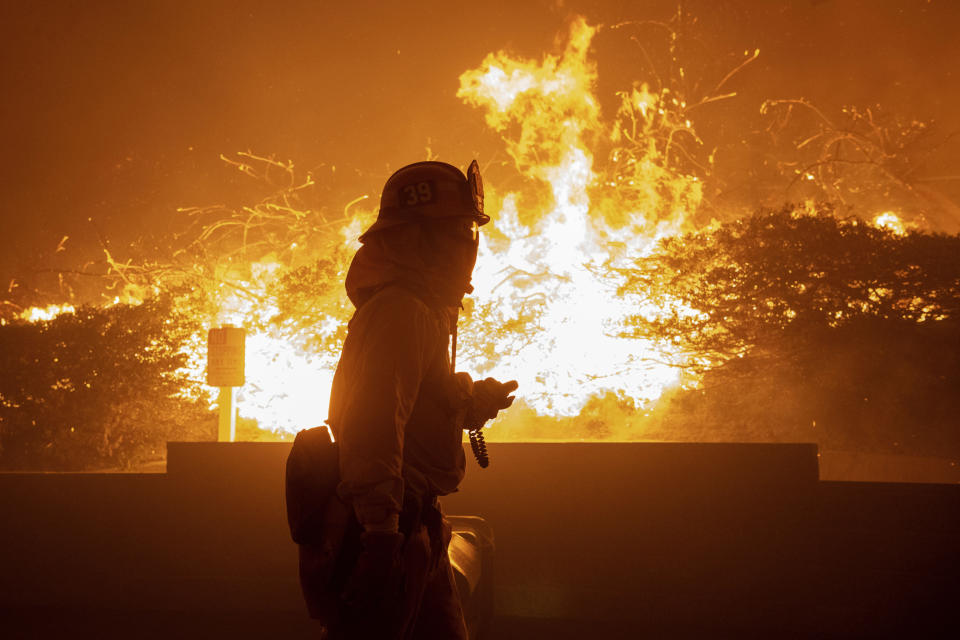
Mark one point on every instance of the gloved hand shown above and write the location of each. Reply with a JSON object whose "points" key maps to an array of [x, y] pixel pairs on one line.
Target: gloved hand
{"points": [[376, 585], [490, 396]]}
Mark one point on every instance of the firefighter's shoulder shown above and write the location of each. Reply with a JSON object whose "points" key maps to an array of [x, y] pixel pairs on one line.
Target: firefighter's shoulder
{"points": [[401, 309]]}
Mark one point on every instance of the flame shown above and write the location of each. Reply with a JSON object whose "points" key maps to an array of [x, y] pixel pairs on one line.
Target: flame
{"points": [[287, 387], [555, 263], [547, 269], [41, 314], [558, 258], [564, 256], [891, 222]]}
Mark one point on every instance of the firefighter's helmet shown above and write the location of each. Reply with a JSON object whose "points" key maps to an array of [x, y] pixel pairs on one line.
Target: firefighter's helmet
{"points": [[430, 190]]}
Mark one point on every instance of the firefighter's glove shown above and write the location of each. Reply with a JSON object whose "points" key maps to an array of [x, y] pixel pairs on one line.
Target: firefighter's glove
{"points": [[376, 585], [490, 396]]}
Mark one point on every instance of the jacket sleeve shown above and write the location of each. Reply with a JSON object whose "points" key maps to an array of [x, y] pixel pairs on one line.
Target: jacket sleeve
{"points": [[383, 362]]}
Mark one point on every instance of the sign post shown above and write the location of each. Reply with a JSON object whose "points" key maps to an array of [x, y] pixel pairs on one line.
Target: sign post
{"points": [[226, 349]]}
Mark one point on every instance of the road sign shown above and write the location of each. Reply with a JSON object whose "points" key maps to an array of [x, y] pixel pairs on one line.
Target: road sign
{"points": [[225, 357]]}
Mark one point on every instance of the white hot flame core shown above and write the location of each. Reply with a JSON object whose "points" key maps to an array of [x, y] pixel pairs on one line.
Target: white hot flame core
{"points": [[890, 221], [562, 260], [40, 314], [557, 264]]}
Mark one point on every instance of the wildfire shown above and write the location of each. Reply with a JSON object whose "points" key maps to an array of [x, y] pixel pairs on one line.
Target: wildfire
{"points": [[288, 387], [548, 271], [891, 222], [555, 264], [562, 258], [39, 314]]}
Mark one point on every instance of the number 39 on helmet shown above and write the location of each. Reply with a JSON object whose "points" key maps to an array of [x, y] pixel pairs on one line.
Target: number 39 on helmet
{"points": [[430, 190]]}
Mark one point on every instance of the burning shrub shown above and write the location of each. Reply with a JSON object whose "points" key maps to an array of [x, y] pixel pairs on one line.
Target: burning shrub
{"points": [[861, 156], [749, 280], [761, 304], [99, 387], [810, 327]]}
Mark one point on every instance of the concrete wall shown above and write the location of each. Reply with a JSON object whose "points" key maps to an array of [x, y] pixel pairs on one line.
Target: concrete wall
{"points": [[743, 535], [879, 467]]}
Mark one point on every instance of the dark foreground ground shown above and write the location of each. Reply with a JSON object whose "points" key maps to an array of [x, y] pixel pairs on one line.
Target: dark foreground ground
{"points": [[124, 625], [617, 540]]}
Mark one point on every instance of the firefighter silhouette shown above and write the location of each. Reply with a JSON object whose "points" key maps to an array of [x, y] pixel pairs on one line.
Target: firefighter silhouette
{"points": [[397, 408]]}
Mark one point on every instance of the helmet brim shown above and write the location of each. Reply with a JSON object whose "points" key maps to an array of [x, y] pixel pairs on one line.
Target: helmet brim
{"points": [[382, 224]]}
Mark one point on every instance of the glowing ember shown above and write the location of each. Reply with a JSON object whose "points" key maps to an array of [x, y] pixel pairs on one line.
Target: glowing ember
{"points": [[39, 314], [891, 222]]}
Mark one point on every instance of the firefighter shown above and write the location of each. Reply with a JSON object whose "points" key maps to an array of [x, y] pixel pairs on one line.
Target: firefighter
{"points": [[397, 409]]}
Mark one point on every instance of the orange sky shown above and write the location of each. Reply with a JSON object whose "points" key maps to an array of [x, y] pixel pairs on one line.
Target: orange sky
{"points": [[118, 111]]}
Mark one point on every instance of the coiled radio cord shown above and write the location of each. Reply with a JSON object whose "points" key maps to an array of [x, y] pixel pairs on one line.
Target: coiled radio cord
{"points": [[479, 446]]}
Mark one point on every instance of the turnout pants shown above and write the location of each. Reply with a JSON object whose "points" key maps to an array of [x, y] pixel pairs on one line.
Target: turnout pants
{"points": [[431, 608]]}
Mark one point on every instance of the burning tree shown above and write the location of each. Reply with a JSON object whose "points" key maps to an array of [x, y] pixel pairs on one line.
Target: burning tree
{"points": [[98, 387], [727, 290], [547, 271], [860, 156], [806, 326], [275, 268], [594, 288]]}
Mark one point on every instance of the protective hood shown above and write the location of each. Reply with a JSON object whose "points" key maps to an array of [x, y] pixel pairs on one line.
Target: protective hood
{"points": [[401, 256]]}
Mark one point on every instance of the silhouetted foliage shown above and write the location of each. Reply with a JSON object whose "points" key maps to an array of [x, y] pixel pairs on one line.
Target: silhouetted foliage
{"points": [[810, 327], [739, 285], [310, 302], [99, 388]]}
